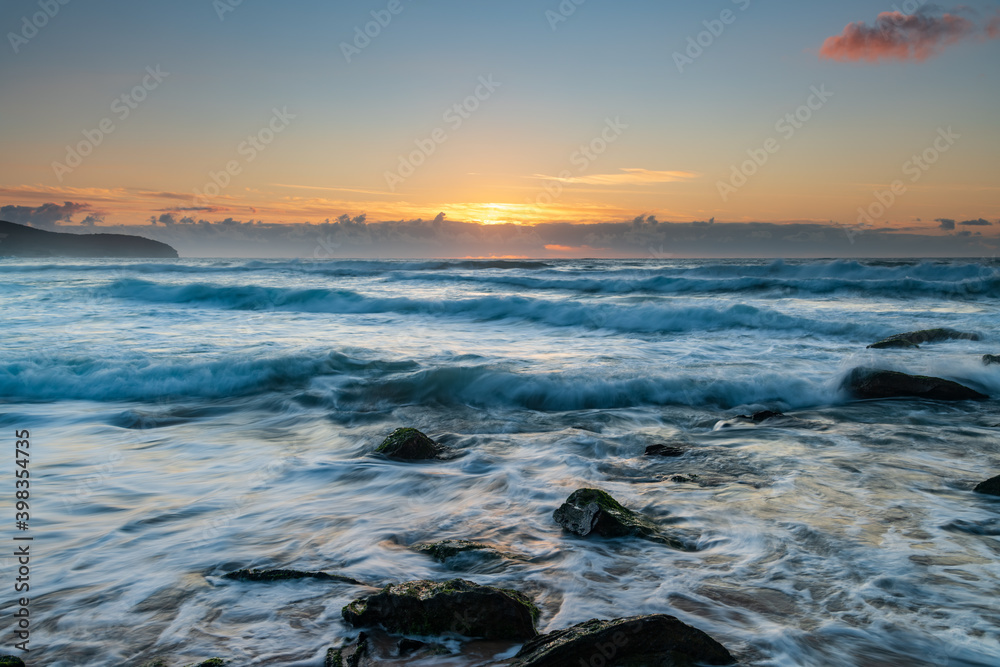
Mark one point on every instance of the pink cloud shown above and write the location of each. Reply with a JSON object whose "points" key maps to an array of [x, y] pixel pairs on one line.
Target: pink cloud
{"points": [[898, 36]]}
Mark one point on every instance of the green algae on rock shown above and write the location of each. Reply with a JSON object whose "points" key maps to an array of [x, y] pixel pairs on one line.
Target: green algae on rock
{"points": [[351, 655], [641, 641], [11, 661], [442, 551], [456, 606], [589, 511]]}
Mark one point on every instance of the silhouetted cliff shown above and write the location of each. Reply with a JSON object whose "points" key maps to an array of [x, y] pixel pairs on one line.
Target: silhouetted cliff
{"points": [[21, 241]]}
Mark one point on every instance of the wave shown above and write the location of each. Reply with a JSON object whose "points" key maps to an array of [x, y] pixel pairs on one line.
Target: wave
{"points": [[357, 384], [142, 379], [643, 318]]}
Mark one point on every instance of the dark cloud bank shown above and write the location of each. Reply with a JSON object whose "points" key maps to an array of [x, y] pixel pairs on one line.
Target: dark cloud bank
{"points": [[642, 237]]}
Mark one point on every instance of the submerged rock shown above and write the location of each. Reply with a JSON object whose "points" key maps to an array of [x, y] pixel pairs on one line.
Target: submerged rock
{"points": [[211, 662], [874, 383], [592, 511], [990, 487], [10, 661], [442, 551], [287, 575], [640, 641], [351, 655], [990, 359], [762, 416], [458, 606], [409, 444], [664, 450], [916, 338]]}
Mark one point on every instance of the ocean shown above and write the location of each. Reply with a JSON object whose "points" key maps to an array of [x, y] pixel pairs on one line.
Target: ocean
{"points": [[189, 418]]}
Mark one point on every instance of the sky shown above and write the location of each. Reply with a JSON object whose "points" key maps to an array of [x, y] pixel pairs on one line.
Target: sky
{"points": [[239, 126]]}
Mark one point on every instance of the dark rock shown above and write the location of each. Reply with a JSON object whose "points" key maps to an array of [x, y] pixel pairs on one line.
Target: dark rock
{"points": [[664, 450], [916, 338], [442, 551], [762, 416], [458, 606], [287, 575], [990, 359], [407, 646], [409, 444], [351, 655], [22, 241], [589, 511], [990, 486], [641, 641], [684, 479], [10, 661], [155, 662], [874, 383], [211, 662]]}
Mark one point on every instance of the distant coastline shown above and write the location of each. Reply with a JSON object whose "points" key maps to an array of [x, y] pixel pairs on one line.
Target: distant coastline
{"points": [[22, 241]]}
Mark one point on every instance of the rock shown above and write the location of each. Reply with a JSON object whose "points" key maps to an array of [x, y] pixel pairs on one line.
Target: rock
{"points": [[287, 575], [409, 444], [211, 662], [916, 338], [640, 641], [442, 551], [990, 487], [10, 661], [685, 479], [762, 416], [874, 383], [458, 606], [23, 241], [592, 511], [664, 450], [990, 359], [406, 646], [351, 655]]}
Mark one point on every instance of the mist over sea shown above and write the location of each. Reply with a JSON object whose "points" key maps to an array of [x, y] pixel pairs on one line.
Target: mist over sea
{"points": [[193, 417]]}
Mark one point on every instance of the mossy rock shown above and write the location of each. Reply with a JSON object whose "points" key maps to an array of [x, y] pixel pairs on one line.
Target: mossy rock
{"points": [[592, 511], [286, 575], [10, 661], [442, 551], [351, 655], [409, 444], [990, 487], [641, 641], [917, 338], [456, 606]]}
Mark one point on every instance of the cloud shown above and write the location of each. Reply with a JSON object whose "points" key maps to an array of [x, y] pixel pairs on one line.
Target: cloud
{"points": [[898, 36], [46, 216], [976, 223], [946, 223], [632, 176]]}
